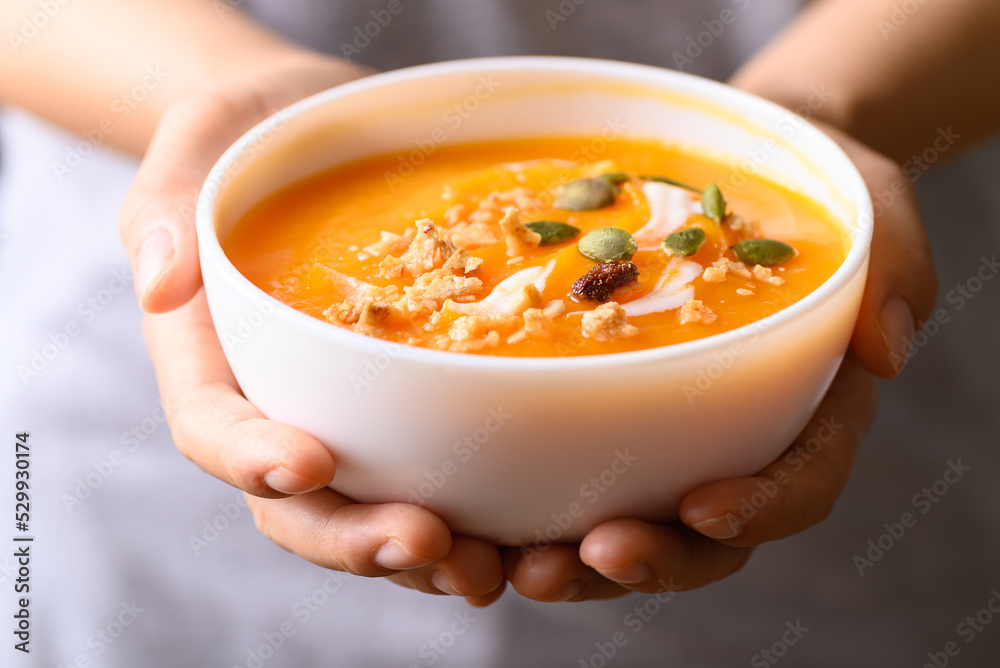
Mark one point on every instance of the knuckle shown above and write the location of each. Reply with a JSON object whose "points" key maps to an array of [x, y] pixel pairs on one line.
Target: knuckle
{"points": [[133, 210], [241, 479], [342, 552]]}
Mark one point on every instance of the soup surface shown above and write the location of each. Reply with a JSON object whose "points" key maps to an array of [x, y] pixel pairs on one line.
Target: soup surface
{"points": [[538, 247]]}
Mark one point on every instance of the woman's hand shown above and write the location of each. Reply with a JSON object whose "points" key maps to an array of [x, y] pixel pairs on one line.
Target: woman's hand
{"points": [[719, 524], [212, 423], [218, 429]]}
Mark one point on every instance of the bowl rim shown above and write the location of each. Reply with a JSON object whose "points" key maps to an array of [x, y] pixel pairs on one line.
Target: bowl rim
{"points": [[705, 90]]}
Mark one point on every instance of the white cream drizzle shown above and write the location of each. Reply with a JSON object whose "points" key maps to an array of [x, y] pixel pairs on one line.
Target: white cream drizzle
{"points": [[672, 291], [507, 293], [669, 208]]}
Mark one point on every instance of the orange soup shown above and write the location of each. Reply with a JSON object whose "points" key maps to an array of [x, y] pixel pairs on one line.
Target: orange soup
{"points": [[520, 248]]}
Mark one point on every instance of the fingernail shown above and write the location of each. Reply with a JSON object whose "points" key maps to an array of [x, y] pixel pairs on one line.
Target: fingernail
{"points": [[721, 528], [154, 255], [441, 582], [395, 557], [895, 324], [569, 592], [284, 481], [636, 572]]}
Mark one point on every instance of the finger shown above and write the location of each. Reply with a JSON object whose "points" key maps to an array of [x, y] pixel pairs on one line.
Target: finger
{"points": [[653, 558], [214, 425], [472, 569], [157, 217], [800, 488], [157, 221], [488, 599], [334, 532], [556, 574], [902, 285]]}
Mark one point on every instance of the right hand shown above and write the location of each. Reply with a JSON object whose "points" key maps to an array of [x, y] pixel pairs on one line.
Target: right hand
{"points": [[284, 470]]}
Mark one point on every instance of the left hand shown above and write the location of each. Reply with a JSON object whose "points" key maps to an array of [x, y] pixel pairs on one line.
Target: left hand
{"points": [[283, 470], [713, 539]]}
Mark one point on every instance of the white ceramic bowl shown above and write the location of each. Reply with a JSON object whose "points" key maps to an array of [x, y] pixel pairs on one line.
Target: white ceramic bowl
{"points": [[525, 451]]}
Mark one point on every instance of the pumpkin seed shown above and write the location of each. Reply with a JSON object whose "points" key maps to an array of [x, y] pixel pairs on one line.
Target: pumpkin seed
{"points": [[713, 203], [685, 242], [608, 243], [672, 182], [765, 252], [552, 232], [616, 178], [587, 195]]}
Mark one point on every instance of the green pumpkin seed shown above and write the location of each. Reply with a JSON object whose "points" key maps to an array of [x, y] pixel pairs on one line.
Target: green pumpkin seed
{"points": [[616, 178], [713, 203], [587, 195], [672, 182], [552, 232], [765, 252], [606, 244], [685, 242]]}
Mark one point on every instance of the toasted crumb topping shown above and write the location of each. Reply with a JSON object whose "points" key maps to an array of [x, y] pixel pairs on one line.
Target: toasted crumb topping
{"points": [[461, 262], [456, 214], [389, 244], [372, 316], [695, 311], [436, 281], [490, 209], [366, 317], [537, 322], [767, 276], [520, 240], [497, 202], [606, 323], [429, 250], [714, 275], [439, 285], [727, 266], [723, 266], [347, 313], [528, 297], [391, 267], [517, 337], [470, 333], [470, 235], [555, 308]]}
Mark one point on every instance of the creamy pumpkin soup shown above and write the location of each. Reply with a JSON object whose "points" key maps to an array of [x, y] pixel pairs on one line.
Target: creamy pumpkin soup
{"points": [[521, 248]]}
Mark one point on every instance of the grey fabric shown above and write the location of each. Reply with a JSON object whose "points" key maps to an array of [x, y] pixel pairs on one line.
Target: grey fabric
{"points": [[126, 562], [643, 31]]}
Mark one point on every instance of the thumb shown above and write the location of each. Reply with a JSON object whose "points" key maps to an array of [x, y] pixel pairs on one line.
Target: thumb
{"points": [[157, 221], [157, 216], [902, 286]]}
